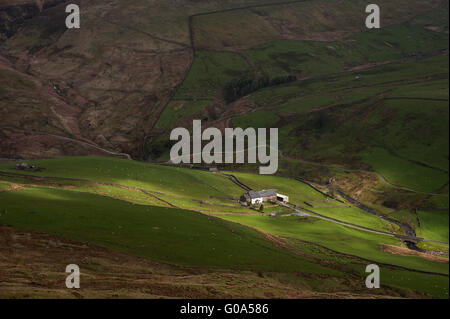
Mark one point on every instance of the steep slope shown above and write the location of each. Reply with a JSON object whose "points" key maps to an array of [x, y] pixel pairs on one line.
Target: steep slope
{"points": [[368, 111], [122, 67]]}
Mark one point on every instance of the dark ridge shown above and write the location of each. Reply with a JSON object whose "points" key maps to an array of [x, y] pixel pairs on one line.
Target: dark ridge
{"points": [[12, 18]]}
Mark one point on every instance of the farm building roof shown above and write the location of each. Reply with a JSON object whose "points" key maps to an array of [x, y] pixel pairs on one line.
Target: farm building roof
{"points": [[263, 193]]}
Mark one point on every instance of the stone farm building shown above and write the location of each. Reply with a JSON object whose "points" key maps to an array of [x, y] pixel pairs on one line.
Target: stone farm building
{"points": [[254, 197]]}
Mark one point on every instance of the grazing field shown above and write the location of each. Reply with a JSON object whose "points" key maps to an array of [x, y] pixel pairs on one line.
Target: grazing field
{"points": [[337, 237], [439, 201], [176, 110], [305, 20], [434, 225], [355, 216], [131, 207], [165, 234], [169, 180], [309, 58], [403, 172], [340, 118], [433, 285], [256, 119], [211, 71], [4, 185], [108, 273]]}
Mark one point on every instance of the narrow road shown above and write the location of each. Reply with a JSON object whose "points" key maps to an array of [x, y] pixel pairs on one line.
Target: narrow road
{"points": [[308, 212], [73, 140], [408, 230]]}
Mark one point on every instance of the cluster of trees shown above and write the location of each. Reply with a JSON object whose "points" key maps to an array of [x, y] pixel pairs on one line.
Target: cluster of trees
{"points": [[152, 150], [243, 87]]}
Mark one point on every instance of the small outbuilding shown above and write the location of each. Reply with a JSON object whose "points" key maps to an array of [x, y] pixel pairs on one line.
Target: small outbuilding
{"points": [[282, 198], [27, 167]]}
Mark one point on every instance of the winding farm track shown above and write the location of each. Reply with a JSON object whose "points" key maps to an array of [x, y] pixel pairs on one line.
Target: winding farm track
{"points": [[410, 233], [70, 139], [408, 230]]}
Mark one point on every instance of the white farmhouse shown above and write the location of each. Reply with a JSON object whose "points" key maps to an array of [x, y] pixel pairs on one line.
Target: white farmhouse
{"points": [[254, 197]]}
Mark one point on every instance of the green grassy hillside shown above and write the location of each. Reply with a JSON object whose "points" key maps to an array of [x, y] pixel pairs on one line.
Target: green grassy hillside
{"points": [[130, 206], [171, 235]]}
